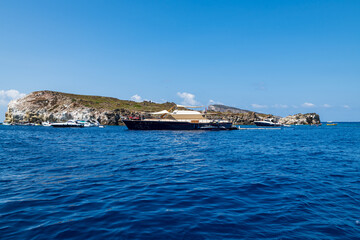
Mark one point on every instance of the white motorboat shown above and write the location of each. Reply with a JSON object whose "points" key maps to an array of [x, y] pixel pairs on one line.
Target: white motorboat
{"points": [[46, 124], [267, 123], [68, 124], [88, 123]]}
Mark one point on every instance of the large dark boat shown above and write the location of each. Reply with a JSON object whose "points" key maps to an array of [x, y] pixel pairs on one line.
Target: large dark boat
{"points": [[176, 125], [178, 120]]}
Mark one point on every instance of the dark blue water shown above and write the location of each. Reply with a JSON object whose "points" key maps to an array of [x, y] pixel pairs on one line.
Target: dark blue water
{"points": [[294, 183]]}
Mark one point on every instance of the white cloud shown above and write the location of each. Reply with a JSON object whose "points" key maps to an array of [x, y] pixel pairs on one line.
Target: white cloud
{"points": [[326, 106], [7, 95], [212, 102], [254, 105], [347, 106], [307, 104], [136, 98], [188, 98], [280, 106]]}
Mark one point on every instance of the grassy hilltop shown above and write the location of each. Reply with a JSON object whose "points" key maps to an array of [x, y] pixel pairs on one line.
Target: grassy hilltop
{"points": [[52, 106], [108, 103]]}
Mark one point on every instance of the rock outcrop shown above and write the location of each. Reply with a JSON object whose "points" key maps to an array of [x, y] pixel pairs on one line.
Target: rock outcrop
{"points": [[53, 106], [249, 118], [226, 109], [237, 118], [301, 119]]}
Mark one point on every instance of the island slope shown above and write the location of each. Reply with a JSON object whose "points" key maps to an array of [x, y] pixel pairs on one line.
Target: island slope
{"points": [[42, 106]]}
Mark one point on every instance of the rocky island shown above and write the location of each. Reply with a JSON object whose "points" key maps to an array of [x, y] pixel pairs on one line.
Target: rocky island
{"points": [[42, 106]]}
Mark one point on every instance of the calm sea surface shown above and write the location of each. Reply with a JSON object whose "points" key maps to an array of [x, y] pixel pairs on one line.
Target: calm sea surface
{"points": [[296, 183]]}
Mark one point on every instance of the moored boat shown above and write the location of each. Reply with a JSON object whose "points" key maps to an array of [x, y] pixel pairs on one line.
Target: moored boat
{"points": [[46, 124], [88, 123], [267, 123], [73, 123], [330, 123], [178, 120], [68, 124]]}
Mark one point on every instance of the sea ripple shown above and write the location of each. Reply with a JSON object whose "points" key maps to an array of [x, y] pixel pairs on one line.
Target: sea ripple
{"points": [[112, 183]]}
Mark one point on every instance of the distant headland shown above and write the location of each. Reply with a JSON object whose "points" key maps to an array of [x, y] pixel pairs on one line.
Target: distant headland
{"points": [[51, 106]]}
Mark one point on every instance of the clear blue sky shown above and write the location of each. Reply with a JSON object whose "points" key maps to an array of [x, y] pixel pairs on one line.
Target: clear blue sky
{"points": [[279, 57]]}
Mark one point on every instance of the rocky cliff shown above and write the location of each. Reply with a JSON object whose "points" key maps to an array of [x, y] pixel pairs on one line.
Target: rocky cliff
{"points": [[249, 118], [53, 106], [226, 109], [301, 119]]}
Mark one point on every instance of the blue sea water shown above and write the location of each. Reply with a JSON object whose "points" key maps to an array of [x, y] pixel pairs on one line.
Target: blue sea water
{"points": [[301, 182]]}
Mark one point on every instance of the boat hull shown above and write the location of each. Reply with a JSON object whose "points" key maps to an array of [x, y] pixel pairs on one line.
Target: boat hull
{"points": [[267, 124], [173, 125]]}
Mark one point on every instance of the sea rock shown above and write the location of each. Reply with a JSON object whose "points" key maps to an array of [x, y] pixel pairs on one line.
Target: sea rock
{"points": [[226, 109], [301, 119], [52, 106], [247, 118]]}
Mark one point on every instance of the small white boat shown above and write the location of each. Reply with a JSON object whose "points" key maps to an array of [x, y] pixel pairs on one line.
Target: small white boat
{"points": [[46, 124], [330, 123], [68, 124], [88, 123], [267, 123]]}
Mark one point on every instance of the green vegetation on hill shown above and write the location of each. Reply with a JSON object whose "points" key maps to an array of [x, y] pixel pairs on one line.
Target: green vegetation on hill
{"points": [[111, 104]]}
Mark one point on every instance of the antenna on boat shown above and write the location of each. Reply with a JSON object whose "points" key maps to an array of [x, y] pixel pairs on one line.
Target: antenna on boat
{"points": [[175, 105]]}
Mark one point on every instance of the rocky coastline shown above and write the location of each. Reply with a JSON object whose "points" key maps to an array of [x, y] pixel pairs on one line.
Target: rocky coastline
{"points": [[50, 106]]}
